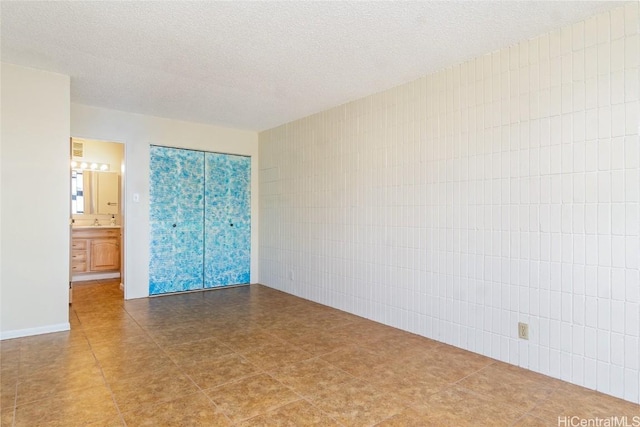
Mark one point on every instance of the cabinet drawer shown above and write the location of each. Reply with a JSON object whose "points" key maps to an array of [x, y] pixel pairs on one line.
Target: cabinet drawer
{"points": [[78, 256], [79, 267], [78, 244], [96, 233]]}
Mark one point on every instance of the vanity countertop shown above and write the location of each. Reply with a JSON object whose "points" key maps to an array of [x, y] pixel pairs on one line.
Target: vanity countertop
{"points": [[85, 227]]}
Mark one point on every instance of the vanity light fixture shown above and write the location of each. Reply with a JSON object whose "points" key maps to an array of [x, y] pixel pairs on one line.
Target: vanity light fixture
{"points": [[92, 165]]}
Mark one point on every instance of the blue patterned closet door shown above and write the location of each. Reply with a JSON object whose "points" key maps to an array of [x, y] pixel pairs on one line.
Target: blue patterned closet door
{"points": [[227, 220], [176, 206]]}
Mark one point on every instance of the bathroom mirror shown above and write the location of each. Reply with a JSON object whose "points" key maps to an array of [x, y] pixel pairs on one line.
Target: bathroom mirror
{"points": [[94, 192]]}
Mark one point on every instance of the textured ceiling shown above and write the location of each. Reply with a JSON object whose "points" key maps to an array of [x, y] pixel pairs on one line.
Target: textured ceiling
{"points": [[256, 65]]}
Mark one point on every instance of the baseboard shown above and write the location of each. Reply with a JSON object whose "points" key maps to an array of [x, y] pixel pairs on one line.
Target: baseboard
{"points": [[19, 333], [95, 276]]}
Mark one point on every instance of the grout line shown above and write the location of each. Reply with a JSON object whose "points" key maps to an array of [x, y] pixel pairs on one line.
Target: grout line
{"points": [[104, 378]]}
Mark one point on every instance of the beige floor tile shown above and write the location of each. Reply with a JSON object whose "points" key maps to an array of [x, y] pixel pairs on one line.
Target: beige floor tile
{"points": [[408, 383], [139, 391], [220, 370], [68, 357], [53, 341], [8, 388], [310, 376], [129, 332], [266, 358], [146, 364], [269, 356], [189, 410], [42, 383], [112, 351], [9, 362], [115, 421], [449, 363], [513, 387], [457, 406], [571, 400], [251, 396], [356, 403], [197, 351], [185, 332], [74, 408], [298, 413], [246, 340], [531, 421], [407, 418], [317, 342], [358, 361], [6, 417]]}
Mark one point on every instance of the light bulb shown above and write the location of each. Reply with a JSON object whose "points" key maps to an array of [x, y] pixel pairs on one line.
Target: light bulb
{"points": [[83, 165], [104, 167], [94, 166], [74, 164]]}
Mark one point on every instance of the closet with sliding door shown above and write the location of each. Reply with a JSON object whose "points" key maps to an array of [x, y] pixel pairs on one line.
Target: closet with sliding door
{"points": [[200, 220]]}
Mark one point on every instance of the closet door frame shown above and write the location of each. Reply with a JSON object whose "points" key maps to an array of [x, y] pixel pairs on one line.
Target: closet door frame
{"points": [[167, 286], [176, 204], [227, 216]]}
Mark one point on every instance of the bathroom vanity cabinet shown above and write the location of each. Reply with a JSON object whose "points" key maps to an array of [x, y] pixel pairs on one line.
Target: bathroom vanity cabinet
{"points": [[95, 249]]}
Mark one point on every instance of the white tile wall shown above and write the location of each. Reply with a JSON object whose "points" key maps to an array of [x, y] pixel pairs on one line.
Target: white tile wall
{"points": [[499, 190]]}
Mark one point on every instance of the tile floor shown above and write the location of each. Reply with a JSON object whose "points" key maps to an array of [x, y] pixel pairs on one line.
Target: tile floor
{"points": [[253, 356]]}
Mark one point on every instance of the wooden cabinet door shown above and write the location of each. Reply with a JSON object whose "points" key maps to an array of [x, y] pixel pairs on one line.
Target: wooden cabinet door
{"points": [[105, 254]]}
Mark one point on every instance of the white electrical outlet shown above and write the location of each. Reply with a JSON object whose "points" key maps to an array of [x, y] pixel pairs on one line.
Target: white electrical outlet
{"points": [[523, 331]]}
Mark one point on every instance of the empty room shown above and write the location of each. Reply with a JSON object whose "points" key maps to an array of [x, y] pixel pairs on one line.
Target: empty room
{"points": [[320, 213]]}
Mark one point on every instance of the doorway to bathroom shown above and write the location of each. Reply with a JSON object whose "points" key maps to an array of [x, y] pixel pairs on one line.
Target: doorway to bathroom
{"points": [[96, 213]]}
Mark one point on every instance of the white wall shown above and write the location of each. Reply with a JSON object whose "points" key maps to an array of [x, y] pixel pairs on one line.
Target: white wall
{"points": [[138, 132], [34, 231], [500, 190]]}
